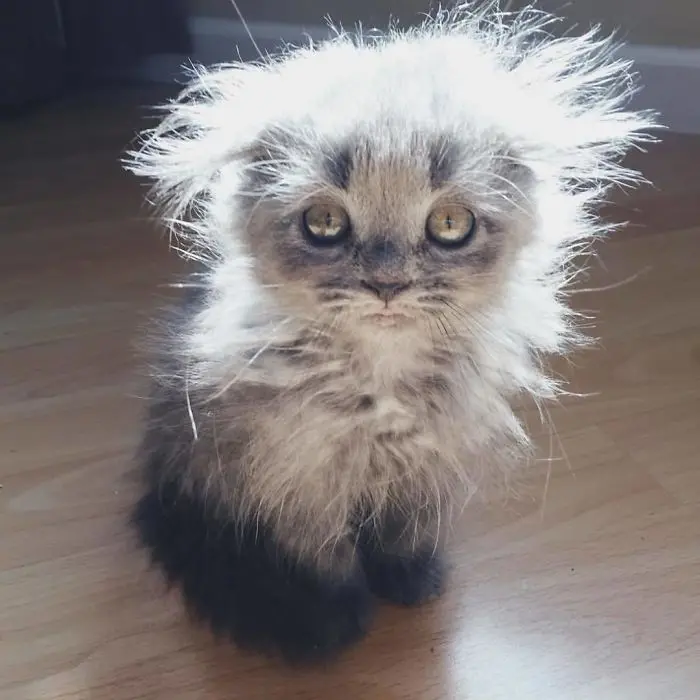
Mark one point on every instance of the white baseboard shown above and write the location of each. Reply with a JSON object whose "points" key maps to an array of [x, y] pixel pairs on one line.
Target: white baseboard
{"points": [[670, 77]]}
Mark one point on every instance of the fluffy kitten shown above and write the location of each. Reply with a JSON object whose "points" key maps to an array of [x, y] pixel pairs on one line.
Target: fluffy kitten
{"points": [[386, 226]]}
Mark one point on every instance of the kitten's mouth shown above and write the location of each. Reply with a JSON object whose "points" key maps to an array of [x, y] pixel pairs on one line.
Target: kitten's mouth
{"points": [[388, 318]]}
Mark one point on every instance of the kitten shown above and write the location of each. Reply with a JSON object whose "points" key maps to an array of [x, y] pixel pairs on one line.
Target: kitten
{"points": [[386, 226]]}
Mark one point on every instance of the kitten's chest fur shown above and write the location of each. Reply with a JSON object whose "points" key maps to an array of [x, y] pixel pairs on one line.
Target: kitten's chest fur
{"points": [[351, 429], [381, 405], [393, 401]]}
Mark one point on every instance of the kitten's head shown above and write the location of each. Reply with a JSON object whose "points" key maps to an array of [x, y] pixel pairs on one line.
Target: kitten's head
{"points": [[389, 221], [423, 177]]}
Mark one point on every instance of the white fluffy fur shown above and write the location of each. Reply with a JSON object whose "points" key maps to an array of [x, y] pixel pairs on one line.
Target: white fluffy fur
{"points": [[560, 104]]}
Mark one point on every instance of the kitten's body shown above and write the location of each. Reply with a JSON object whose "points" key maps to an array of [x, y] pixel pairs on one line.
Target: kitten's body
{"points": [[323, 409]]}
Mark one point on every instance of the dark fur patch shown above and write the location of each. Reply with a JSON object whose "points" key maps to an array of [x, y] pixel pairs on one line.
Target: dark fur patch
{"points": [[328, 297], [296, 254], [390, 436], [243, 586], [435, 384], [479, 255], [335, 283], [482, 257], [405, 577], [379, 251], [365, 403], [411, 580], [338, 167], [443, 160], [437, 284]]}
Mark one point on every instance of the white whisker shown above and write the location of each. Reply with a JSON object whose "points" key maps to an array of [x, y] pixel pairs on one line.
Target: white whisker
{"points": [[247, 29], [258, 353], [190, 412], [614, 285]]}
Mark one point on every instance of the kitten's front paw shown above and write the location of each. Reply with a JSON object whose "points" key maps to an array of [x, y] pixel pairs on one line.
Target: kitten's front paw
{"points": [[320, 628], [410, 579]]}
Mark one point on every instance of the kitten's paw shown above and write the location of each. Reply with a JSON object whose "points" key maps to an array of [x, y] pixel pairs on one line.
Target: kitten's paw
{"points": [[319, 628], [406, 580]]}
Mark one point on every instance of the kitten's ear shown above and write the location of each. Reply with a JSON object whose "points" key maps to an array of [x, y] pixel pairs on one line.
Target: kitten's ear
{"points": [[205, 128], [580, 89]]}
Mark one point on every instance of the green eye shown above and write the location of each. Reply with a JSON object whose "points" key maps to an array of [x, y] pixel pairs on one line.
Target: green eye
{"points": [[451, 225], [326, 223]]}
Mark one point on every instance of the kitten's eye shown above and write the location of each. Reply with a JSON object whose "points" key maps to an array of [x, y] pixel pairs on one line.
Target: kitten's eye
{"points": [[451, 225], [326, 223]]}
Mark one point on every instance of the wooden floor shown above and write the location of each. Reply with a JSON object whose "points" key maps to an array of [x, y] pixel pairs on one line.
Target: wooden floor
{"points": [[592, 593]]}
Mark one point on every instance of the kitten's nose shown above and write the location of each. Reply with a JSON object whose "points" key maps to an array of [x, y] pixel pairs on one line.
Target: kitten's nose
{"points": [[386, 291]]}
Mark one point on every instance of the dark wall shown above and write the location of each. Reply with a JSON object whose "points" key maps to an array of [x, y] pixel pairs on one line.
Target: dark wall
{"points": [[32, 51], [50, 45]]}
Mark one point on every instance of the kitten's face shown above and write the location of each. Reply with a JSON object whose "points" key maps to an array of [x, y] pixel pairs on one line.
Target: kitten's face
{"points": [[385, 231]]}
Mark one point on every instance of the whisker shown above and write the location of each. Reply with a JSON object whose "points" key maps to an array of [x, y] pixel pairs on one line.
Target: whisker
{"points": [[247, 29], [549, 465], [251, 361], [441, 325], [614, 285], [190, 412], [183, 285]]}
